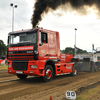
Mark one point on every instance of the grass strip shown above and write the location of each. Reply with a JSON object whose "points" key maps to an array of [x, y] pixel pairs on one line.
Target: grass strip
{"points": [[92, 94]]}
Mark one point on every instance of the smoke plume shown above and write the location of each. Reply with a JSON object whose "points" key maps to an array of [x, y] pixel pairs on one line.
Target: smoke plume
{"points": [[43, 6]]}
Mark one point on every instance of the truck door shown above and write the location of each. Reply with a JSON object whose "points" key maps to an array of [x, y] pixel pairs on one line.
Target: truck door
{"points": [[43, 45], [52, 45]]}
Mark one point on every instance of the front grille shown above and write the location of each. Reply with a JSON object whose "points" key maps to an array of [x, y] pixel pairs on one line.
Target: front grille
{"points": [[20, 65], [26, 56]]}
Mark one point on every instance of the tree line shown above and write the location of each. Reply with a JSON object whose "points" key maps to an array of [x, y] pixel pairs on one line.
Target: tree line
{"points": [[70, 50], [3, 48]]}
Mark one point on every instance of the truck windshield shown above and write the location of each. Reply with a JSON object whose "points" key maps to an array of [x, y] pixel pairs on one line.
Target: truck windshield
{"points": [[23, 38]]}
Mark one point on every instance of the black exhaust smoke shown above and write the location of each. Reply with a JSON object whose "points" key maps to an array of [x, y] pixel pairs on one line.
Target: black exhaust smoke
{"points": [[43, 6]]}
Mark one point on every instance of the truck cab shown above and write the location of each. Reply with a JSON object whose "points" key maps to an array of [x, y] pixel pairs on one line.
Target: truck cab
{"points": [[37, 52]]}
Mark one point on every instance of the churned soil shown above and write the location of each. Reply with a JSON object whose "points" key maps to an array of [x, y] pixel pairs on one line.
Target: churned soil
{"points": [[33, 88]]}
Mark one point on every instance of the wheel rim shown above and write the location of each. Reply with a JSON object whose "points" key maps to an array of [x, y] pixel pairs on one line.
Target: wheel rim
{"points": [[48, 73], [75, 71]]}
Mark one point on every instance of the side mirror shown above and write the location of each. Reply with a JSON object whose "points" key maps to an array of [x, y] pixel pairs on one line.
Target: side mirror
{"points": [[40, 44]]}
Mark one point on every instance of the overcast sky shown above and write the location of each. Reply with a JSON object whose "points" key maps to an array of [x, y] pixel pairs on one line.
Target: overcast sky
{"points": [[88, 30]]}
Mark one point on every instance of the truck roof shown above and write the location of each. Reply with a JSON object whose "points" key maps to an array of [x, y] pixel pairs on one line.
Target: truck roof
{"points": [[34, 29]]}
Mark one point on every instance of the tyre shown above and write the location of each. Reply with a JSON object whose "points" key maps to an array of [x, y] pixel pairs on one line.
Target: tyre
{"points": [[49, 73], [74, 70], [21, 76]]}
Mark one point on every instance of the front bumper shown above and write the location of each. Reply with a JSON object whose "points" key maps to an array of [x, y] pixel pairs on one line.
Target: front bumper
{"points": [[28, 72]]}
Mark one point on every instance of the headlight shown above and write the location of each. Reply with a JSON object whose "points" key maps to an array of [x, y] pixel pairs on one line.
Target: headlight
{"points": [[33, 66], [9, 65]]}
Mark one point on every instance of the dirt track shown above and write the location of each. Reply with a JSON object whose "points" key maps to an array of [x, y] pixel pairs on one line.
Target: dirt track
{"points": [[33, 88]]}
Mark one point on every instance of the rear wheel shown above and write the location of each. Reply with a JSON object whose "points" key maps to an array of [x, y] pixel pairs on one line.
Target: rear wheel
{"points": [[74, 71], [49, 73], [21, 76]]}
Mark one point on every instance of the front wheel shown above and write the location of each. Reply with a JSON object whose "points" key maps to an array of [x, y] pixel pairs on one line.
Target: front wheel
{"points": [[21, 76], [74, 71], [49, 73]]}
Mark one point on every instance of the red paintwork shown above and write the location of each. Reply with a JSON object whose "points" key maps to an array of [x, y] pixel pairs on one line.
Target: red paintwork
{"points": [[52, 48]]}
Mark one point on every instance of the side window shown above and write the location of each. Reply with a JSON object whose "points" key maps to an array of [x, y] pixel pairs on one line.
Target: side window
{"points": [[44, 37]]}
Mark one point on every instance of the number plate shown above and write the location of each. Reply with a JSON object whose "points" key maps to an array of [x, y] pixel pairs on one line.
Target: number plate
{"points": [[19, 72]]}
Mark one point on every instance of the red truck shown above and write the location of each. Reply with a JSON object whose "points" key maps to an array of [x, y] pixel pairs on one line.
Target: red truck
{"points": [[37, 52]]}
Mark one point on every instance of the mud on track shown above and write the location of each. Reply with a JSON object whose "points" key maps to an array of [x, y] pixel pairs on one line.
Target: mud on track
{"points": [[33, 88]]}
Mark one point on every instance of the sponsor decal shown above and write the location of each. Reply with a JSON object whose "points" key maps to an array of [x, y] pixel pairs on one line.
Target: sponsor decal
{"points": [[43, 51], [20, 48], [68, 67], [63, 57], [51, 46], [67, 55]]}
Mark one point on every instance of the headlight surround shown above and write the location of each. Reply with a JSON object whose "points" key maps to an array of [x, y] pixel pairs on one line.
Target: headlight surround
{"points": [[36, 51], [33, 66]]}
